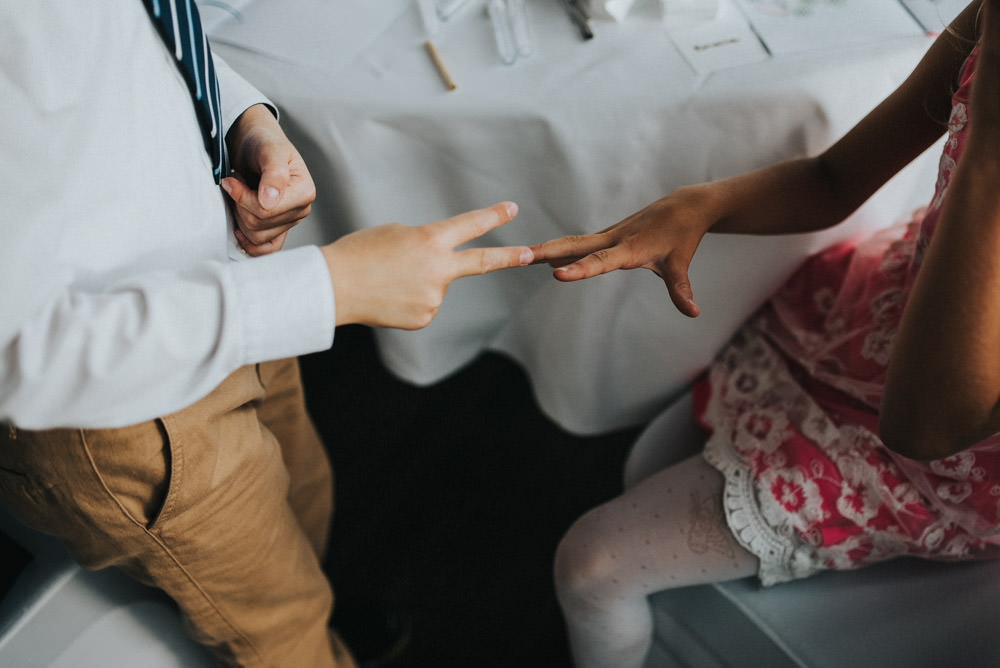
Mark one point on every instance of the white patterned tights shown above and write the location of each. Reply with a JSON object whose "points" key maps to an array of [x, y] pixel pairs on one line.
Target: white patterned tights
{"points": [[664, 532]]}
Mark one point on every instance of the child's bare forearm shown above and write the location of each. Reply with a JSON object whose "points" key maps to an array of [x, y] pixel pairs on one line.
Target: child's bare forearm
{"points": [[943, 384], [815, 193], [787, 198], [944, 374]]}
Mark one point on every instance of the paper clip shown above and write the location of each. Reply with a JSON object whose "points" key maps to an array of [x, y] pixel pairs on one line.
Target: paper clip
{"points": [[448, 8], [517, 13], [511, 29], [429, 16]]}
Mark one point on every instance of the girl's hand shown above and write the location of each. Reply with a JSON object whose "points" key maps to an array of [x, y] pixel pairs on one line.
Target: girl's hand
{"points": [[662, 237]]}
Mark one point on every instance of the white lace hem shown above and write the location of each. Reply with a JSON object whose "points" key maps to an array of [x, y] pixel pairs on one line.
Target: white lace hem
{"points": [[783, 556]]}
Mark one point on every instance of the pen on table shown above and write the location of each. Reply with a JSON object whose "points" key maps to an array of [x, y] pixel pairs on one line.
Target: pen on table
{"points": [[578, 17], [439, 65]]}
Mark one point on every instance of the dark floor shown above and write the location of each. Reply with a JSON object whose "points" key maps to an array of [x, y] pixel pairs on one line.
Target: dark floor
{"points": [[451, 500]]}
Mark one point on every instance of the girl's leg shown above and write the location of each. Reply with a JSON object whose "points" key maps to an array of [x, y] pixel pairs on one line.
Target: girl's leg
{"points": [[668, 531]]}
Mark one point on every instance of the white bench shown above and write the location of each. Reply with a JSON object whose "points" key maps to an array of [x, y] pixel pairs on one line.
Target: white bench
{"points": [[59, 615]]}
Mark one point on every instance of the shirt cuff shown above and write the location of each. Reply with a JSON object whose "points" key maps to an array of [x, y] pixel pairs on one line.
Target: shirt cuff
{"points": [[236, 94], [287, 304]]}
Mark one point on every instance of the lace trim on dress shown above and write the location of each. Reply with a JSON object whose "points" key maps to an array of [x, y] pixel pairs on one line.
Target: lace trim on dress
{"points": [[782, 557]]}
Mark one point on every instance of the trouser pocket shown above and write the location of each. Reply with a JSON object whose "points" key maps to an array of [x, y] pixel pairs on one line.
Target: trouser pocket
{"points": [[89, 488], [135, 465]]}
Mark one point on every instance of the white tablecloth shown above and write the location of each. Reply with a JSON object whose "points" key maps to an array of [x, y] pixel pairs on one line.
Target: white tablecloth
{"points": [[580, 135]]}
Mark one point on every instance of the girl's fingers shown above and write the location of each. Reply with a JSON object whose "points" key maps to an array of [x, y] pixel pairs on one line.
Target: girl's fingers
{"points": [[571, 248], [601, 261], [674, 273]]}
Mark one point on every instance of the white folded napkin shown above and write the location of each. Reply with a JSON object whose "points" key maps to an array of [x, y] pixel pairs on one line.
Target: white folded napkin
{"points": [[675, 11], [616, 10]]}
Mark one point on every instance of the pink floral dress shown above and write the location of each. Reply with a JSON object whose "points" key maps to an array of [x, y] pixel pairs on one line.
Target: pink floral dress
{"points": [[791, 406]]}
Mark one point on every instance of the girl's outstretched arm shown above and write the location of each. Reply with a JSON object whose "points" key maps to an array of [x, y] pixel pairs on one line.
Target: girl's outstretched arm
{"points": [[943, 385], [796, 196]]}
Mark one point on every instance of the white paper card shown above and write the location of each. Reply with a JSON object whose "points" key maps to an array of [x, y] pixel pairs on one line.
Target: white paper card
{"points": [[793, 26], [689, 11], [287, 29], [714, 45], [615, 10]]}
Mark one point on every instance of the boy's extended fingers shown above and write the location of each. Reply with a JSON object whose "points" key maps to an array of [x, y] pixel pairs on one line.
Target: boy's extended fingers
{"points": [[470, 225], [476, 261]]}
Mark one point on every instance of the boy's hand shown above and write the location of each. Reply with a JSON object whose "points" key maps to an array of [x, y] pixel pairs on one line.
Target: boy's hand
{"points": [[271, 188], [396, 276]]}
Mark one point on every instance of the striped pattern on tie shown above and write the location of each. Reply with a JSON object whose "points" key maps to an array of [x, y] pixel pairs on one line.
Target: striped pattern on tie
{"points": [[179, 25]]}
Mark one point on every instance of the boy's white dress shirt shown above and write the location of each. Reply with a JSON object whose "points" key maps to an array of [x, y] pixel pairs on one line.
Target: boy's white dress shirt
{"points": [[122, 294]]}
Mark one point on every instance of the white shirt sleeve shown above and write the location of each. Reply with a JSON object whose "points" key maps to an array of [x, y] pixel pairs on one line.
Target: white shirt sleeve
{"points": [[235, 93], [118, 302]]}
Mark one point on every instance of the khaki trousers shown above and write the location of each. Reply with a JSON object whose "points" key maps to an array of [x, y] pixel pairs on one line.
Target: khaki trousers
{"points": [[225, 506]]}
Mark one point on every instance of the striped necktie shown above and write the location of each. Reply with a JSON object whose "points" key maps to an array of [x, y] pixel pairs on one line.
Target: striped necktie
{"points": [[178, 23]]}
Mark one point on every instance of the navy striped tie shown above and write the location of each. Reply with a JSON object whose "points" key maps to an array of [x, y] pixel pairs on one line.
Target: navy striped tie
{"points": [[178, 23]]}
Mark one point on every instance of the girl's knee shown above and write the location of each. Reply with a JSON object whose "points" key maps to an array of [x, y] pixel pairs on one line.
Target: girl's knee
{"points": [[585, 566]]}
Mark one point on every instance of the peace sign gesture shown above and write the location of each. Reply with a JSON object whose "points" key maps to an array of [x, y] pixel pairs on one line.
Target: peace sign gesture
{"points": [[396, 276]]}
